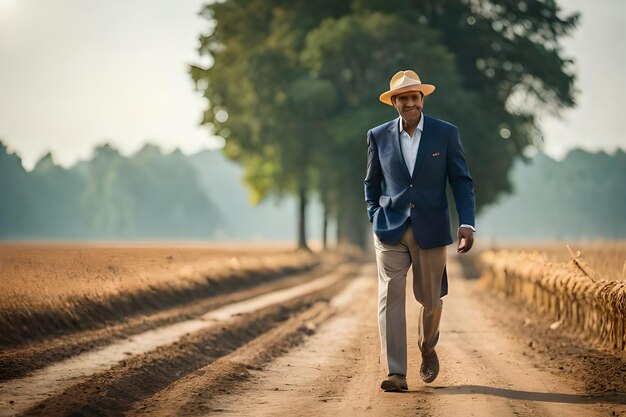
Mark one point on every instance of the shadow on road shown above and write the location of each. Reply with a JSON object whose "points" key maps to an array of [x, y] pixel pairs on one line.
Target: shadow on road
{"points": [[552, 397]]}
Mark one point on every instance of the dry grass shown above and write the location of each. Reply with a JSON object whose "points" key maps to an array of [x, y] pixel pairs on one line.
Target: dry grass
{"points": [[583, 295], [606, 259], [46, 289], [37, 275]]}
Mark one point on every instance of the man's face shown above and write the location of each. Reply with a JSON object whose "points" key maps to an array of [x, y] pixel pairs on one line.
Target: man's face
{"points": [[409, 106]]}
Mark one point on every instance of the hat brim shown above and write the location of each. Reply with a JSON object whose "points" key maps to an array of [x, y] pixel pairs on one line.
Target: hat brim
{"points": [[426, 89]]}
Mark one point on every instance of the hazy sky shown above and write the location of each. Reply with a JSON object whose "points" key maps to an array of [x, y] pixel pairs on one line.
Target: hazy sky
{"points": [[77, 73]]}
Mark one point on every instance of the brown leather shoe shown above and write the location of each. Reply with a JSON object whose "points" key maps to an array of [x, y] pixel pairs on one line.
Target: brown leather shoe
{"points": [[394, 382], [430, 366]]}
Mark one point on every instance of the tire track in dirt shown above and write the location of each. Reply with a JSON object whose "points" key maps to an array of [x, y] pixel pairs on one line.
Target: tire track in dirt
{"points": [[192, 395], [20, 361], [175, 354], [335, 372], [61, 292]]}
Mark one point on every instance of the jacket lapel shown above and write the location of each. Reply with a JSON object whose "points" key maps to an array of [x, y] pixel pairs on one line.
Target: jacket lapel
{"points": [[424, 146], [394, 135]]}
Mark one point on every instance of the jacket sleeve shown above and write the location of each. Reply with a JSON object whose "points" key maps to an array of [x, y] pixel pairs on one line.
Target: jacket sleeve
{"points": [[373, 178], [460, 180]]}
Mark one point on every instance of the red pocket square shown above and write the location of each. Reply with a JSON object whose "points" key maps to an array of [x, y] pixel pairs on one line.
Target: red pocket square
{"points": [[436, 154]]}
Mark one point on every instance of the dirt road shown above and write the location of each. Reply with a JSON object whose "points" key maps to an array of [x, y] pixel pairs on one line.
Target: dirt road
{"points": [[312, 349], [485, 371]]}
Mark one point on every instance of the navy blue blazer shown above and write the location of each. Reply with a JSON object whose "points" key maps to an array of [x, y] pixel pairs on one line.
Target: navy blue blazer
{"points": [[390, 188]]}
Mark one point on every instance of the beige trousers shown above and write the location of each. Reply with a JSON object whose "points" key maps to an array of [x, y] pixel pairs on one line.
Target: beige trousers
{"points": [[393, 264]]}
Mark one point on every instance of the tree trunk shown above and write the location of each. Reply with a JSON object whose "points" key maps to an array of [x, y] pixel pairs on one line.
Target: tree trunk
{"points": [[325, 228], [352, 225], [302, 220]]}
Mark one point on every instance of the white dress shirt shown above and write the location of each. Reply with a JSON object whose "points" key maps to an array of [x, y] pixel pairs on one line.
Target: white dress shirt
{"points": [[410, 144]]}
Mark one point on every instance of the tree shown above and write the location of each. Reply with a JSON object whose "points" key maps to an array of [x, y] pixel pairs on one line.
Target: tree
{"points": [[259, 96], [147, 195], [16, 202], [495, 64]]}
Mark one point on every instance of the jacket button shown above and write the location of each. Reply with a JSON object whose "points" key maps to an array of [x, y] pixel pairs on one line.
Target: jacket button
{"points": [[411, 205], [411, 185]]}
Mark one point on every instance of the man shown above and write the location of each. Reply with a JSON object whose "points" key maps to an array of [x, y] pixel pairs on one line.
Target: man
{"points": [[409, 161]]}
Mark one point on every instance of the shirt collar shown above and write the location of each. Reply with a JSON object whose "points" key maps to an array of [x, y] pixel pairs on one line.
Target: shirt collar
{"points": [[420, 125]]}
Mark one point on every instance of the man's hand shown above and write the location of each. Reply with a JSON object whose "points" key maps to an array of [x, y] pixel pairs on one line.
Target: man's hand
{"points": [[466, 239]]}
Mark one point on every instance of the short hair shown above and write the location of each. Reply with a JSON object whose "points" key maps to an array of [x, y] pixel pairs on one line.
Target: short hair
{"points": [[393, 97]]}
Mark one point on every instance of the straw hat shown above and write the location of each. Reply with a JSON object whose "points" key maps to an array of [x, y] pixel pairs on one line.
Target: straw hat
{"points": [[405, 81]]}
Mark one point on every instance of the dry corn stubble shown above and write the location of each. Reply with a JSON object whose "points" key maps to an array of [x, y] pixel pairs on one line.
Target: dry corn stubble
{"points": [[573, 293]]}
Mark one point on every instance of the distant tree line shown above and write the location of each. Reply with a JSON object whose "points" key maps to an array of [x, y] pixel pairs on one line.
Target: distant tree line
{"points": [[581, 197], [151, 195], [145, 196], [293, 87]]}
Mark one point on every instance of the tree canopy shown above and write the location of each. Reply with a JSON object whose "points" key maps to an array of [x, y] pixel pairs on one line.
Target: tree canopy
{"points": [[293, 87]]}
